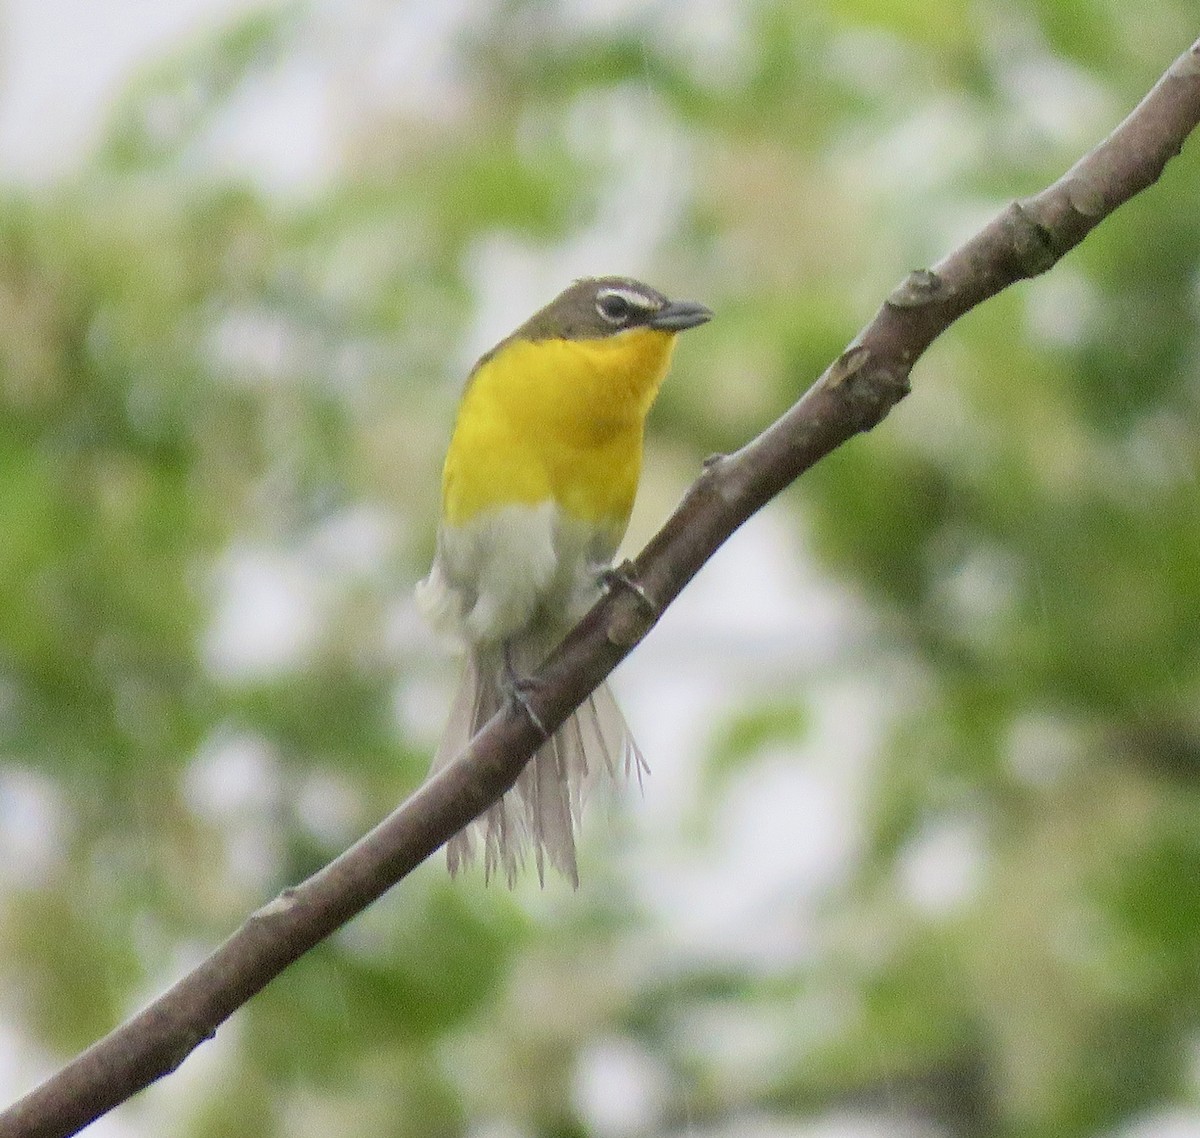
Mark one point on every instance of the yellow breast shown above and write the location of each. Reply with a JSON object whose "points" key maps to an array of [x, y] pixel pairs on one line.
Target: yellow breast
{"points": [[557, 420]]}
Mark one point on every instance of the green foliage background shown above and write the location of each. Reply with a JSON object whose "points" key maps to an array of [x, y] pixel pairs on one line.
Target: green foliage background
{"points": [[196, 376]]}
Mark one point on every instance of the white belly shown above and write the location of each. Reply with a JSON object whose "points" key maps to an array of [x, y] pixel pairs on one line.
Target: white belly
{"points": [[514, 570]]}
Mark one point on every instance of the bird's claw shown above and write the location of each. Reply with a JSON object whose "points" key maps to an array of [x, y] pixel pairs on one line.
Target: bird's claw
{"points": [[517, 688], [518, 692], [621, 576]]}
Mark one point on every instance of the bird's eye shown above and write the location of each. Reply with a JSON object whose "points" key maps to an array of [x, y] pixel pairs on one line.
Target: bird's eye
{"points": [[613, 307]]}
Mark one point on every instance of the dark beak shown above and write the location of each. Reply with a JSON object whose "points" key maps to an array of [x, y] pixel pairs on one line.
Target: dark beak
{"points": [[678, 315]]}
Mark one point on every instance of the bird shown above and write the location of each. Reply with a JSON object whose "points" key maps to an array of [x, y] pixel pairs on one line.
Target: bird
{"points": [[537, 488]]}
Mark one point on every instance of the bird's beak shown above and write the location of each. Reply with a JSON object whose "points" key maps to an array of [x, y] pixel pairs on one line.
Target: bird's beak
{"points": [[678, 315]]}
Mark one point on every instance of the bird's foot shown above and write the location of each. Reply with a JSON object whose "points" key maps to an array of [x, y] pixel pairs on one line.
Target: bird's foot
{"points": [[518, 687], [621, 577]]}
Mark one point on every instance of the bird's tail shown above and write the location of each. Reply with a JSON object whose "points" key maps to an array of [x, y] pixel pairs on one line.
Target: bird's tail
{"points": [[542, 811]]}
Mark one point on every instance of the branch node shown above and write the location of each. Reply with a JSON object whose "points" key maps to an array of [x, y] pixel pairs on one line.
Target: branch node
{"points": [[921, 286], [900, 384], [1187, 66], [867, 388], [1032, 243], [847, 365], [185, 1046], [887, 386], [713, 461], [283, 903]]}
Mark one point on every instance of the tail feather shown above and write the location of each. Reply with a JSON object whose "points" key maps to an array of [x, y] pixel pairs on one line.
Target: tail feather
{"points": [[619, 748], [543, 810]]}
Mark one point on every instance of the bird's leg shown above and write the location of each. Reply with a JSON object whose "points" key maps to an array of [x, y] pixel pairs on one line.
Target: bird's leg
{"points": [[518, 688], [613, 577]]}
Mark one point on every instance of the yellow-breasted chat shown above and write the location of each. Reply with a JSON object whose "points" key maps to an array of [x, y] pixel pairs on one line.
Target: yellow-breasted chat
{"points": [[537, 488]]}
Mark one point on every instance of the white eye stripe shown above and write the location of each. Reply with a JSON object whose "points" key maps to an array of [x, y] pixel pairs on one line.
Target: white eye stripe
{"points": [[630, 296], [618, 306]]}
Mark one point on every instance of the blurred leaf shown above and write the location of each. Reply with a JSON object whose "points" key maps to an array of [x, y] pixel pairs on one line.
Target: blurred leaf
{"points": [[169, 107]]}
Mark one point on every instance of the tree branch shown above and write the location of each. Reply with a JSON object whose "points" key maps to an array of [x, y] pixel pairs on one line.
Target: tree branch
{"points": [[853, 395]]}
